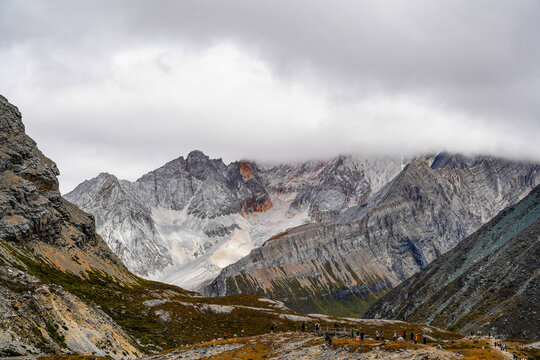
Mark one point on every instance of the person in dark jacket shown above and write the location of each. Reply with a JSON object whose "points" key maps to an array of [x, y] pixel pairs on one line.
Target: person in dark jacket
{"points": [[328, 339]]}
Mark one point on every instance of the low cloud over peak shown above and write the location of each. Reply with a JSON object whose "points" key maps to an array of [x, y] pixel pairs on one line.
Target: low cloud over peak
{"points": [[125, 86]]}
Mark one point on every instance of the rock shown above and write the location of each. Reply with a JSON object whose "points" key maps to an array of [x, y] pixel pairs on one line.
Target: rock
{"points": [[502, 257], [216, 204], [37, 223], [416, 217], [43, 290]]}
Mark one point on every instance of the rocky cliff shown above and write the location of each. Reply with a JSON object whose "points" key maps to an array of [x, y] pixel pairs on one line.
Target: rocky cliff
{"points": [[38, 226], [490, 282], [340, 268], [184, 222]]}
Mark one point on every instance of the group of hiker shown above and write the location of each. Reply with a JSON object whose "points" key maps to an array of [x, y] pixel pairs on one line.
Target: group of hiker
{"points": [[500, 345], [359, 334]]}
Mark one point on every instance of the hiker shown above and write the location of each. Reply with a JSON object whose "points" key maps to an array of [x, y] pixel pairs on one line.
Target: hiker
{"points": [[225, 336], [382, 334], [357, 335], [303, 327], [416, 339], [377, 335], [424, 339], [362, 336], [336, 328], [412, 336], [395, 336], [272, 329], [352, 333], [403, 335], [328, 339], [317, 327]]}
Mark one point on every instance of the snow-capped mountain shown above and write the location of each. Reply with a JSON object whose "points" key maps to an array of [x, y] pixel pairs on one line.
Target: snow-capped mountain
{"points": [[184, 222]]}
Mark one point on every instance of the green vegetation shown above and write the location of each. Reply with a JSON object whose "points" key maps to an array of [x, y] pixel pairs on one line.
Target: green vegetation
{"points": [[53, 333], [187, 321]]}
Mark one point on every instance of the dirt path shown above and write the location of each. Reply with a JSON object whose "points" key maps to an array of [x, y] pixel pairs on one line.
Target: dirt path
{"points": [[506, 354]]}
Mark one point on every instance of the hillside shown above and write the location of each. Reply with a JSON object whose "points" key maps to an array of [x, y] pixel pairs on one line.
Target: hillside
{"points": [[422, 213], [490, 282]]}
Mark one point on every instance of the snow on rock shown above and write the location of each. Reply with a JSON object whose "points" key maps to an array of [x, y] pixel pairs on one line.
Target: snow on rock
{"points": [[184, 222], [155, 302]]}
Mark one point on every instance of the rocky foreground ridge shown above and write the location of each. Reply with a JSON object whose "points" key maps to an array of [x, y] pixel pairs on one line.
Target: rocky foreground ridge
{"points": [[341, 268], [38, 227], [489, 282]]}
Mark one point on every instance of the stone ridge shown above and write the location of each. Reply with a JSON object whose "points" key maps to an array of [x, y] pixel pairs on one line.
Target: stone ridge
{"points": [[33, 213], [184, 221], [43, 237], [418, 216], [490, 282]]}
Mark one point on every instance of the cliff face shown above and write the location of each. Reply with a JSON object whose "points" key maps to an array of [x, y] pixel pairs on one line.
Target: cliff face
{"points": [[185, 221], [490, 282], [34, 215], [37, 226], [424, 212]]}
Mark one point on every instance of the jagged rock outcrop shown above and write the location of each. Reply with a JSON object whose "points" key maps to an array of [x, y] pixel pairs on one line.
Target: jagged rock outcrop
{"points": [[421, 214], [37, 223], [490, 282], [185, 221], [33, 213]]}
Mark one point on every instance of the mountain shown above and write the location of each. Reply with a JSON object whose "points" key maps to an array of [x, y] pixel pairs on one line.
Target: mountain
{"points": [[490, 282], [37, 226], [184, 222], [342, 267], [64, 291]]}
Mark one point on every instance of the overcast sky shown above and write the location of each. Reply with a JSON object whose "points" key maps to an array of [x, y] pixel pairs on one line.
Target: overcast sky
{"points": [[125, 86]]}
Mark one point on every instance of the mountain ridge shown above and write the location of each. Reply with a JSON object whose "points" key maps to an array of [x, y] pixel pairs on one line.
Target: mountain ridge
{"points": [[421, 214], [489, 282], [208, 214]]}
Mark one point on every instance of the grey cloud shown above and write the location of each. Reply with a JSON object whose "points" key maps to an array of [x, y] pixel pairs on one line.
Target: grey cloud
{"points": [[472, 67]]}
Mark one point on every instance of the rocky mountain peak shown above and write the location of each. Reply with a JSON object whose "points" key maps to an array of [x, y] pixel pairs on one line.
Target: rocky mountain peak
{"points": [[32, 211], [456, 161]]}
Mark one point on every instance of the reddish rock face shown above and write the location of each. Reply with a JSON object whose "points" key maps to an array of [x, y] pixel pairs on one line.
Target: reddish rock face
{"points": [[256, 205], [246, 171]]}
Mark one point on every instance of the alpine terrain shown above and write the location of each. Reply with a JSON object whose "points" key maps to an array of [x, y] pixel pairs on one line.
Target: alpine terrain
{"points": [[490, 282], [341, 267], [63, 290], [185, 221]]}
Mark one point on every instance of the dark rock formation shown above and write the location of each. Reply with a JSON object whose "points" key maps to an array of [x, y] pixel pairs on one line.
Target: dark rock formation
{"points": [[490, 282]]}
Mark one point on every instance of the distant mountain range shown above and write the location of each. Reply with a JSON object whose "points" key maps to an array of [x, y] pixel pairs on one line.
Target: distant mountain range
{"points": [[366, 225], [185, 221], [321, 236], [490, 282], [341, 268]]}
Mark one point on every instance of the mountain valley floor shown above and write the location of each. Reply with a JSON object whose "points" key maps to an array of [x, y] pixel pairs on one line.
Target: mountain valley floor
{"points": [[307, 345]]}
